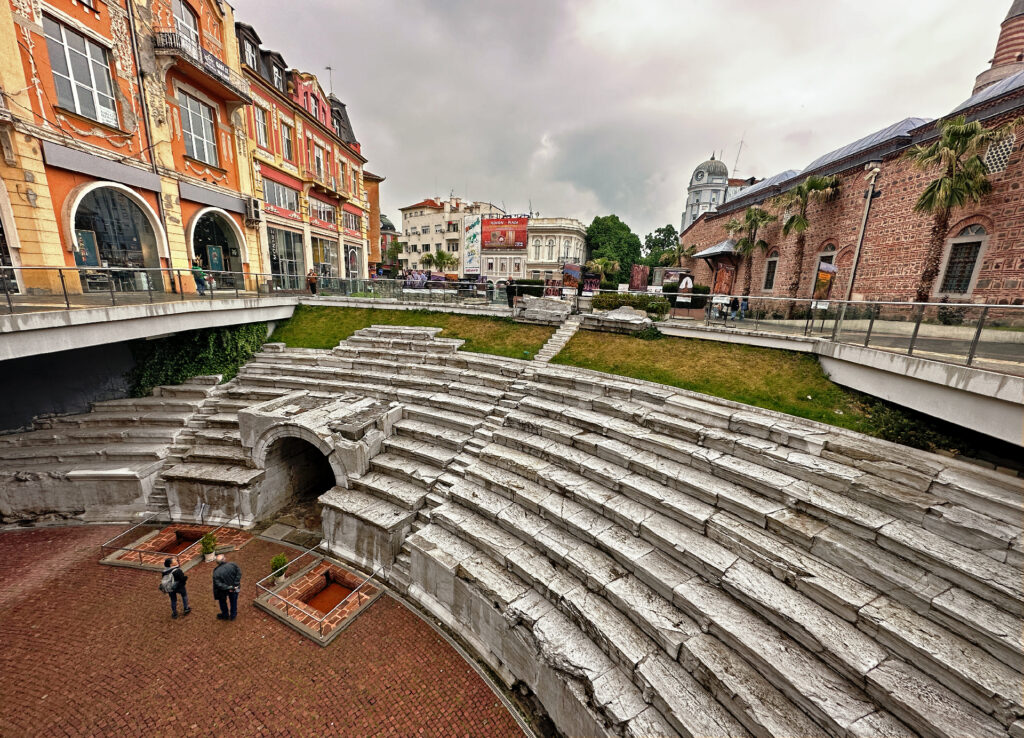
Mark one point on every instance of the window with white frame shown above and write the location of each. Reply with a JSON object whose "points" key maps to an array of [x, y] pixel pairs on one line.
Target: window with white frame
{"points": [[187, 23], [288, 141], [318, 160], [962, 261], [198, 128], [279, 78], [262, 127], [323, 211], [314, 106], [250, 54], [353, 222], [280, 196], [81, 73]]}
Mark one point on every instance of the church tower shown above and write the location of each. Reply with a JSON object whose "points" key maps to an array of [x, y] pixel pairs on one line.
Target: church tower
{"points": [[1009, 56]]}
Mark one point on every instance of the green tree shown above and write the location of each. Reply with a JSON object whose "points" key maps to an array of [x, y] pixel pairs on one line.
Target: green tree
{"points": [[733, 226], [796, 201], [957, 154], [656, 244], [391, 255], [753, 220], [675, 255], [604, 266], [610, 238], [427, 261], [444, 261]]}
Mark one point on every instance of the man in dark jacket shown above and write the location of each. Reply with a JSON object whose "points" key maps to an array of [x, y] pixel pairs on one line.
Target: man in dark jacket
{"points": [[179, 589], [227, 581]]}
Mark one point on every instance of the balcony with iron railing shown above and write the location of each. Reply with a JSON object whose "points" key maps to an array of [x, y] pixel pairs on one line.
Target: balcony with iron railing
{"points": [[326, 182], [170, 42]]}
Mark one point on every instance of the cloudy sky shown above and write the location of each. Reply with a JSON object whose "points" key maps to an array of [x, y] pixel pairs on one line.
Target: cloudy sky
{"points": [[590, 107]]}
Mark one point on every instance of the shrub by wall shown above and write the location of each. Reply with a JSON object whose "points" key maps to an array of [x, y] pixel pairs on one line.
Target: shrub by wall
{"points": [[654, 304], [177, 358]]}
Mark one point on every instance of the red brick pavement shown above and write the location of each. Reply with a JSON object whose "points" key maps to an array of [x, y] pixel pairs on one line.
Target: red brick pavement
{"points": [[225, 537], [92, 650]]}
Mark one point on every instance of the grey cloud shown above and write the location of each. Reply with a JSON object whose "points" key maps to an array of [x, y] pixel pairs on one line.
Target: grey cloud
{"points": [[628, 96]]}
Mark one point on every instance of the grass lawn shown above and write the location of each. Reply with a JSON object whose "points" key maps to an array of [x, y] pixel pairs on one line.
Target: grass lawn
{"points": [[785, 381], [322, 327]]}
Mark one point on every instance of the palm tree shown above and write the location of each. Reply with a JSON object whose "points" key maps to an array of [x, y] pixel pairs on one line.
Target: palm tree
{"points": [[733, 226], [963, 177], [753, 219], [674, 256], [815, 187], [604, 266], [427, 261], [444, 261]]}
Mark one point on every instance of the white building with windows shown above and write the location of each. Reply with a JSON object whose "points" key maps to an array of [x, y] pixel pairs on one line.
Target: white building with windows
{"points": [[434, 225], [553, 242]]}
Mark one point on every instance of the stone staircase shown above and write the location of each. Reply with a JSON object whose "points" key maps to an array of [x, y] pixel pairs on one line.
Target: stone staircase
{"points": [[649, 561], [560, 338]]}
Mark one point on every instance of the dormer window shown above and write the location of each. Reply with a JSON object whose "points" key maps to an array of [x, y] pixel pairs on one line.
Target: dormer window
{"points": [[279, 78], [314, 107], [250, 54]]}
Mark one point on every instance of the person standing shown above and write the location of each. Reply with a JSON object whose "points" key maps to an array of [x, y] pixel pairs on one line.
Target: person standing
{"points": [[227, 582], [510, 292], [734, 307], [172, 582], [311, 282], [199, 276]]}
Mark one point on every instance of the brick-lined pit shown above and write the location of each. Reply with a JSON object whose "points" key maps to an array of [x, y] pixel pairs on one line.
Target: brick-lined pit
{"points": [[92, 650], [166, 539], [294, 600]]}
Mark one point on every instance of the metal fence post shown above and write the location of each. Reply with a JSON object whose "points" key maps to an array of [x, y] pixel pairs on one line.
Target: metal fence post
{"points": [[873, 310], [917, 327], [110, 282], [977, 336], [149, 286], [181, 288], [64, 289]]}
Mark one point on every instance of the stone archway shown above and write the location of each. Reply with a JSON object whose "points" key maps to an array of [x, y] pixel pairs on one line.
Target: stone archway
{"points": [[297, 473]]}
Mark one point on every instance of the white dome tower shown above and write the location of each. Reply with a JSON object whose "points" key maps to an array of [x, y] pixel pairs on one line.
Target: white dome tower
{"points": [[708, 189]]}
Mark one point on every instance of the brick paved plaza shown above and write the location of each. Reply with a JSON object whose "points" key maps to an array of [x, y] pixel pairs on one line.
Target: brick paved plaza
{"points": [[92, 650]]}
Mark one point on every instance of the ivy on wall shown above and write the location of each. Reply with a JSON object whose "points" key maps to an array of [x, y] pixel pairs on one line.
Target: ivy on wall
{"points": [[177, 358]]}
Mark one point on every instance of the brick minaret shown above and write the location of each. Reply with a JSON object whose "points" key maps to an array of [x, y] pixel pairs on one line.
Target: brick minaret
{"points": [[1009, 56]]}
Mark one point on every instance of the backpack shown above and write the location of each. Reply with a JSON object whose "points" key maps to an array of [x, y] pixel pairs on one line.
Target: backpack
{"points": [[167, 583]]}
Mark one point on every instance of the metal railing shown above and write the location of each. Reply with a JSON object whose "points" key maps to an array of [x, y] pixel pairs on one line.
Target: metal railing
{"points": [[306, 568], [109, 547], [170, 39], [164, 520], [34, 289], [982, 335]]}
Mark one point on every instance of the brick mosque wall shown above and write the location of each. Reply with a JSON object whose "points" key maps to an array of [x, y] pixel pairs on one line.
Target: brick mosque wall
{"points": [[896, 238]]}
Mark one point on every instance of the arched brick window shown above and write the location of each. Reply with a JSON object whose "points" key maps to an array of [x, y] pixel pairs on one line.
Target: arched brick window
{"points": [[771, 265], [962, 261]]}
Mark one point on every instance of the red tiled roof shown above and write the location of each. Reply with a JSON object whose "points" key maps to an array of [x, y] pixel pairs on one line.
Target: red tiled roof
{"points": [[428, 203]]}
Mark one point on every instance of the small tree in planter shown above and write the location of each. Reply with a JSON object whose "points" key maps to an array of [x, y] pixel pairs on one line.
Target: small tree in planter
{"points": [[209, 545], [279, 567]]}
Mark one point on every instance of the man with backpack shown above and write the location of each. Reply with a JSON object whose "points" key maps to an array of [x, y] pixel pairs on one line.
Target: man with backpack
{"points": [[227, 582], [172, 583]]}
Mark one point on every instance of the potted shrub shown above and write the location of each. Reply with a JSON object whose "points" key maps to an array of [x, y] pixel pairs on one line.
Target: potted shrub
{"points": [[209, 545], [279, 567]]}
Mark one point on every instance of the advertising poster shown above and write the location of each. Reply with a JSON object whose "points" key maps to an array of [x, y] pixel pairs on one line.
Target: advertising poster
{"points": [[723, 279], [638, 278], [552, 287], [591, 284], [471, 252], [504, 233], [826, 278], [571, 275], [685, 290]]}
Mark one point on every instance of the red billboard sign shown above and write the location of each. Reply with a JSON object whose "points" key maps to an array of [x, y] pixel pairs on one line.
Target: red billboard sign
{"points": [[504, 233]]}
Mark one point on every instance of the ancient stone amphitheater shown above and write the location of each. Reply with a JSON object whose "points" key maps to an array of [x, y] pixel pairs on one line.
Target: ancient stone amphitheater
{"points": [[643, 560]]}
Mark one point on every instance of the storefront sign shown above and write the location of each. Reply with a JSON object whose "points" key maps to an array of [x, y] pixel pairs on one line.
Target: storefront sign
{"points": [[504, 233]]}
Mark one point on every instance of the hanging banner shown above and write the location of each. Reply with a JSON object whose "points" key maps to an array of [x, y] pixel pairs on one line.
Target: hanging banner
{"points": [[723, 279], [826, 278], [571, 275], [471, 251]]}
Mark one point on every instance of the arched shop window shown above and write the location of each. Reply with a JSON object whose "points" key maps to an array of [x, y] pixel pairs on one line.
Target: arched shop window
{"points": [[112, 230]]}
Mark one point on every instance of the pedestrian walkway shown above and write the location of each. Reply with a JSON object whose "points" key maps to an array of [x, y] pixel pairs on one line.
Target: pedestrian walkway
{"points": [[561, 337], [107, 659]]}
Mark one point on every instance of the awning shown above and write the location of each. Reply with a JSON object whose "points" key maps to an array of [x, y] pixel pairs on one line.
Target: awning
{"points": [[725, 248]]}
